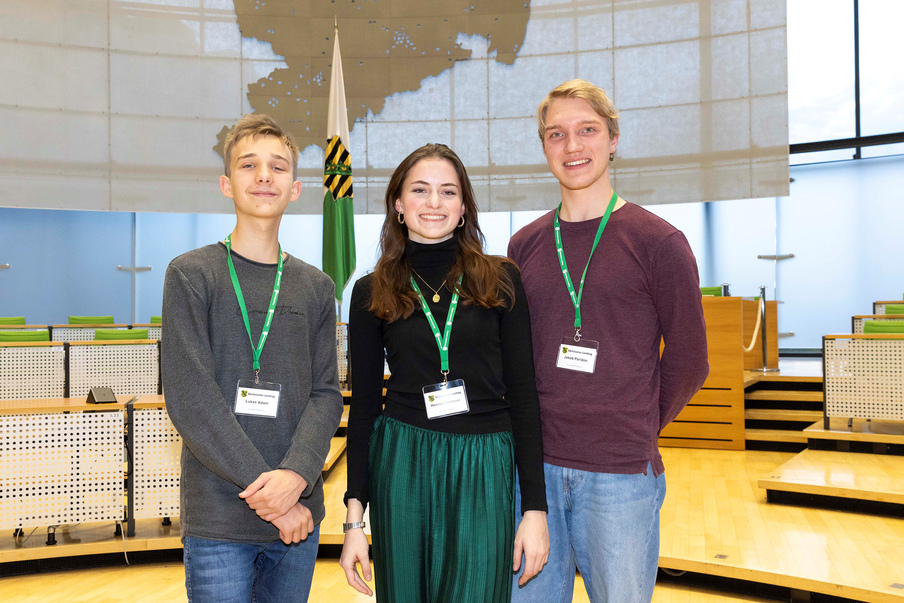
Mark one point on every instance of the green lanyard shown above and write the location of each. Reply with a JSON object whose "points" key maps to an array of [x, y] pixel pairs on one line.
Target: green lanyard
{"points": [[442, 342], [576, 299], [255, 351]]}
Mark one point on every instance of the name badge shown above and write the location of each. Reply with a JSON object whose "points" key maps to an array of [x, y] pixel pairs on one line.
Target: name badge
{"points": [[577, 356], [257, 399], [446, 399]]}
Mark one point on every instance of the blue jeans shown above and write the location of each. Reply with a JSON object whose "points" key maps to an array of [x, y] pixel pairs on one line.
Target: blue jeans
{"points": [[227, 572], [606, 525]]}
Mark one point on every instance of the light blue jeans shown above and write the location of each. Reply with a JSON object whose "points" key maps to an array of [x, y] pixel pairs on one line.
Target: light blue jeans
{"points": [[606, 525], [236, 572]]}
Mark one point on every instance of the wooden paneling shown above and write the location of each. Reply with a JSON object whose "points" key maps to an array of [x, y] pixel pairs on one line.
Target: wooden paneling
{"points": [[723, 341], [714, 418], [700, 431]]}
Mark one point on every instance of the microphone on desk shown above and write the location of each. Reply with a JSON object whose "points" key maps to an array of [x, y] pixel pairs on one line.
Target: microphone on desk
{"points": [[100, 395]]}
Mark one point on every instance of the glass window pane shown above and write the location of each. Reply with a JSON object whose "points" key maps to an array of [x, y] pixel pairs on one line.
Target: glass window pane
{"points": [[820, 70], [881, 75], [884, 150], [821, 156]]}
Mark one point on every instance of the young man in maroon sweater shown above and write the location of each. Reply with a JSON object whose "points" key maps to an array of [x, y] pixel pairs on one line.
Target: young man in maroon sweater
{"points": [[606, 282]]}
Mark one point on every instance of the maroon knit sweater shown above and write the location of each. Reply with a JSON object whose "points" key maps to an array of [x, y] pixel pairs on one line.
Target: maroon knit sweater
{"points": [[641, 288]]}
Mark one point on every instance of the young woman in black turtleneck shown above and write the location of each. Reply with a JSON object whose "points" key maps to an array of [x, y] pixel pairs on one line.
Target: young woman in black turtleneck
{"points": [[437, 464]]}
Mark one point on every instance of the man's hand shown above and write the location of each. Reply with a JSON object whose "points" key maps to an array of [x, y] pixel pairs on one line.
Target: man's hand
{"points": [[274, 493], [532, 540], [295, 525]]}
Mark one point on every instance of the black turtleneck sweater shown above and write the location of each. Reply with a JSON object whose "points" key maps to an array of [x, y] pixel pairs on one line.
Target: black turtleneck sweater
{"points": [[490, 349]]}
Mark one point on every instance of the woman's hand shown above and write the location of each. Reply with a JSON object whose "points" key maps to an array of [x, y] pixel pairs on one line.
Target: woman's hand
{"points": [[531, 541], [354, 550]]}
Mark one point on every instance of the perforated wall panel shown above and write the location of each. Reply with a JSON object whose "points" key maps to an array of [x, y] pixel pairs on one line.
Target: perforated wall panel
{"points": [[880, 309], [61, 468], [342, 351], [864, 378], [157, 447], [37, 372], [155, 333], [128, 369], [71, 334]]}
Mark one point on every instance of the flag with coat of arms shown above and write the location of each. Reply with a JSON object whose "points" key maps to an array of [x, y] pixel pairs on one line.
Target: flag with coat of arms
{"points": [[338, 198]]}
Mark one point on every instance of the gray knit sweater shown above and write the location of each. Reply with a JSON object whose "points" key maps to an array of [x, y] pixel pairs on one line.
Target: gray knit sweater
{"points": [[206, 350]]}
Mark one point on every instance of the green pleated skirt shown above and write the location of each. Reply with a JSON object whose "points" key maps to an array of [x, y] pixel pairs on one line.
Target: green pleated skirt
{"points": [[442, 514]]}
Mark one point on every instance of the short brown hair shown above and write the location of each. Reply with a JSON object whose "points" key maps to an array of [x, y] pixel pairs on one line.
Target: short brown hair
{"points": [[595, 97], [255, 125]]}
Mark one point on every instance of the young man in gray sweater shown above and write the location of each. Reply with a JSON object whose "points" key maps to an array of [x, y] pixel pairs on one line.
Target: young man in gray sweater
{"points": [[251, 384]]}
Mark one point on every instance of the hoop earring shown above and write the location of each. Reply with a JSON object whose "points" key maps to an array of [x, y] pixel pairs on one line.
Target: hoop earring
{"points": [[611, 157], [400, 218], [462, 223]]}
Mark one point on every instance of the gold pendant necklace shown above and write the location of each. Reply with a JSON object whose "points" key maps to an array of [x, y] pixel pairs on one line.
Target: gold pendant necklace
{"points": [[435, 291]]}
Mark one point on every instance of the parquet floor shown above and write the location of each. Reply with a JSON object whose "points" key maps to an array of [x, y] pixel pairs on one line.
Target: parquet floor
{"points": [[715, 520]]}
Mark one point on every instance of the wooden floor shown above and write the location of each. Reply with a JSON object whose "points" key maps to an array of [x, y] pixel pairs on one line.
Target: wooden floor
{"points": [[715, 520], [152, 583]]}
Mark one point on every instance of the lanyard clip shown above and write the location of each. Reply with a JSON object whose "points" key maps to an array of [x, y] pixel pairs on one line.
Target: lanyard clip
{"points": [[445, 376], [257, 379], [577, 334]]}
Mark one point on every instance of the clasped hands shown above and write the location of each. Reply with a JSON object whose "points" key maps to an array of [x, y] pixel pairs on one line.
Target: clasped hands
{"points": [[274, 497]]}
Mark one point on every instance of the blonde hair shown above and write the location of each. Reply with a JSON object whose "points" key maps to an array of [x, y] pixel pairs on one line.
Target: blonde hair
{"points": [[256, 125], [595, 97]]}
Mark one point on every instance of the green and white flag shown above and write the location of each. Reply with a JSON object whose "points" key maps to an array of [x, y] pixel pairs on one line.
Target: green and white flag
{"points": [[338, 206]]}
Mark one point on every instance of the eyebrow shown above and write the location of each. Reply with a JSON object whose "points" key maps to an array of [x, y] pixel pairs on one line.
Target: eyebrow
{"points": [[254, 156], [595, 122], [428, 184]]}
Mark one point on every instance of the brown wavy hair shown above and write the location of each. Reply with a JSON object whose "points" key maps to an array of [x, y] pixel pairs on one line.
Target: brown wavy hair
{"points": [[485, 282]]}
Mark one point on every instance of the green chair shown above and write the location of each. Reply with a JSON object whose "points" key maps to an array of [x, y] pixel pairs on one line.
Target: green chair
{"points": [[111, 334], [883, 326], [25, 335], [12, 320], [711, 291], [894, 308], [91, 320], [156, 320]]}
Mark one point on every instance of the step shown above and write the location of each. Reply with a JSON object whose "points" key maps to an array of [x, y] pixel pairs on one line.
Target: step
{"points": [[852, 475], [775, 435], [784, 396], [781, 414], [874, 431], [337, 447], [343, 422]]}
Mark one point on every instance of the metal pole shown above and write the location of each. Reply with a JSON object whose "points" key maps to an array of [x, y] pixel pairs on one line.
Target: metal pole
{"points": [[763, 329]]}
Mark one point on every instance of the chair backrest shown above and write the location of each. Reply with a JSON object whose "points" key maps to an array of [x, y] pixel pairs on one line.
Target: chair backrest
{"points": [[91, 320], [156, 320], [12, 320], [883, 326], [111, 334], [711, 291], [25, 335], [894, 308]]}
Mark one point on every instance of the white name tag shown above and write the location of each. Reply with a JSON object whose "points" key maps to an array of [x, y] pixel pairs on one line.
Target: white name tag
{"points": [[257, 399], [445, 399], [577, 356]]}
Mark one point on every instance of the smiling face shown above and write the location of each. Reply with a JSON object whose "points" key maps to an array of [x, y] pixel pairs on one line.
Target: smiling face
{"points": [[577, 146], [431, 201], [260, 181]]}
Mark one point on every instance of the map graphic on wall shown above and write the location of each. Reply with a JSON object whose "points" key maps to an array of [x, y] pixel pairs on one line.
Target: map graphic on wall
{"points": [[123, 104]]}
